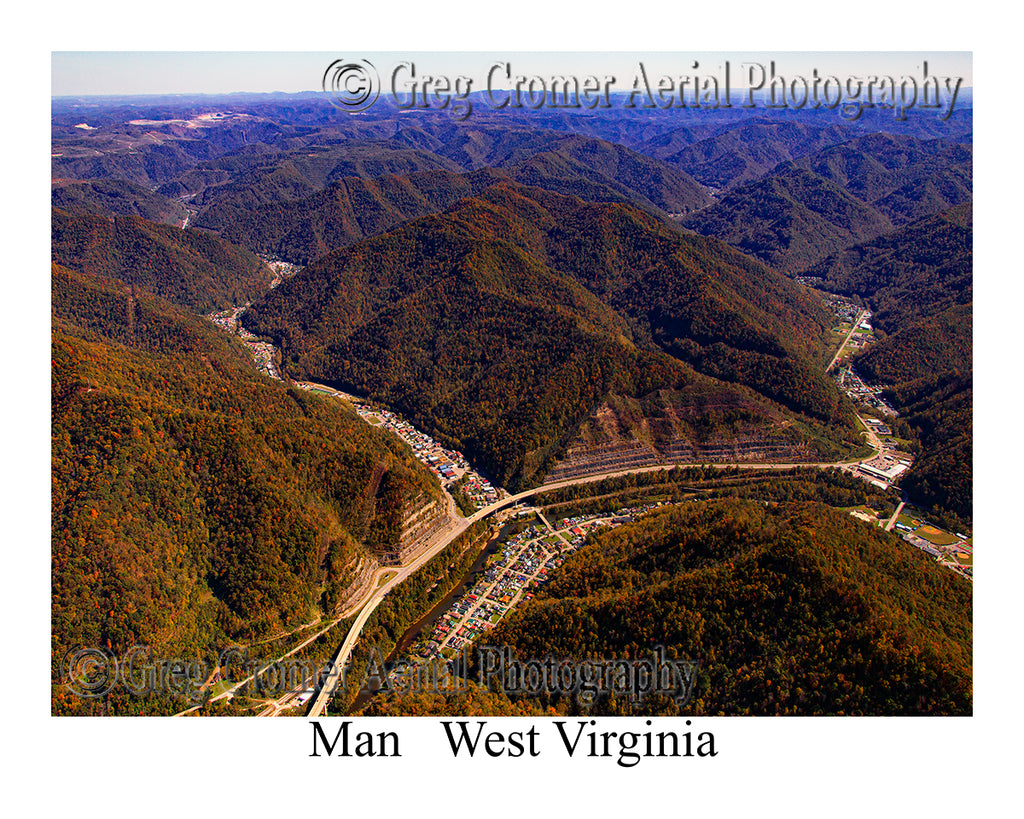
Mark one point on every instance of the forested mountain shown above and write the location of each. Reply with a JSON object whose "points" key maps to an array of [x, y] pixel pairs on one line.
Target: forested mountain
{"points": [[284, 219], [790, 609], [244, 181], [918, 270], [158, 162], [922, 347], [117, 196], [919, 281], [939, 409], [599, 171], [790, 219], [189, 268], [826, 201], [348, 210], [533, 289], [902, 177], [501, 323], [182, 518], [247, 168], [748, 151], [669, 143]]}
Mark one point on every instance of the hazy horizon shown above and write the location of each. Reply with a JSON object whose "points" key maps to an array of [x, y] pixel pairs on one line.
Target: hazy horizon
{"points": [[131, 74]]}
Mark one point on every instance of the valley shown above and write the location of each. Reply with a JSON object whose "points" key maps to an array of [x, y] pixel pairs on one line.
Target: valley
{"points": [[327, 388]]}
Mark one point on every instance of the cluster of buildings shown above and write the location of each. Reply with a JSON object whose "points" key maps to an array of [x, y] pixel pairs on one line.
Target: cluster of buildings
{"points": [[878, 426], [954, 553], [525, 562], [845, 312], [262, 353], [884, 469], [449, 465], [889, 464], [578, 528], [478, 489], [862, 393], [282, 271], [227, 320], [846, 377]]}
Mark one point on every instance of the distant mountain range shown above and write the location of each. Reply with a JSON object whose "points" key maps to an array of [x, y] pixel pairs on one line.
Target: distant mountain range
{"points": [[838, 197], [747, 152], [272, 212], [249, 166]]}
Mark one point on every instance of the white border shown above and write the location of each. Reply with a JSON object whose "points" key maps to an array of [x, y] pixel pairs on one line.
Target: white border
{"points": [[832, 766]]}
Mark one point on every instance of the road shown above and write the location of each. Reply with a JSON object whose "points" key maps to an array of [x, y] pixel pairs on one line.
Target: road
{"points": [[856, 324], [377, 593], [377, 590], [873, 440], [892, 520], [340, 660]]}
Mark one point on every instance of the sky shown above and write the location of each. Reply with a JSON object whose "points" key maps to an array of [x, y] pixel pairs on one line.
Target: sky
{"points": [[79, 73]]}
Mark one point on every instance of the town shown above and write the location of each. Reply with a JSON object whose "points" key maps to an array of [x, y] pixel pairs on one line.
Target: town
{"points": [[530, 549], [449, 466], [262, 352], [953, 550], [229, 320]]}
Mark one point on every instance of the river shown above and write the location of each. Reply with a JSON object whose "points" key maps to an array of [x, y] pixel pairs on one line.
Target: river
{"points": [[426, 622]]}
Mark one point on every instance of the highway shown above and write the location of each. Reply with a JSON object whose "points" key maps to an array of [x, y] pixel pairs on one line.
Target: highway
{"points": [[378, 591], [376, 597], [381, 583]]}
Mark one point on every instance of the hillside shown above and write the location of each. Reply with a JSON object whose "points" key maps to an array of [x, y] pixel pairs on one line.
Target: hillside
{"points": [[500, 324], [558, 294], [938, 410], [303, 226], [183, 520], [599, 171], [748, 151], [269, 177], [823, 201], [116, 196], [301, 230], [902, 177], [790, 220], [919, 270], [790, 609], [187, 267], [919, 281], [922, 347]]}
